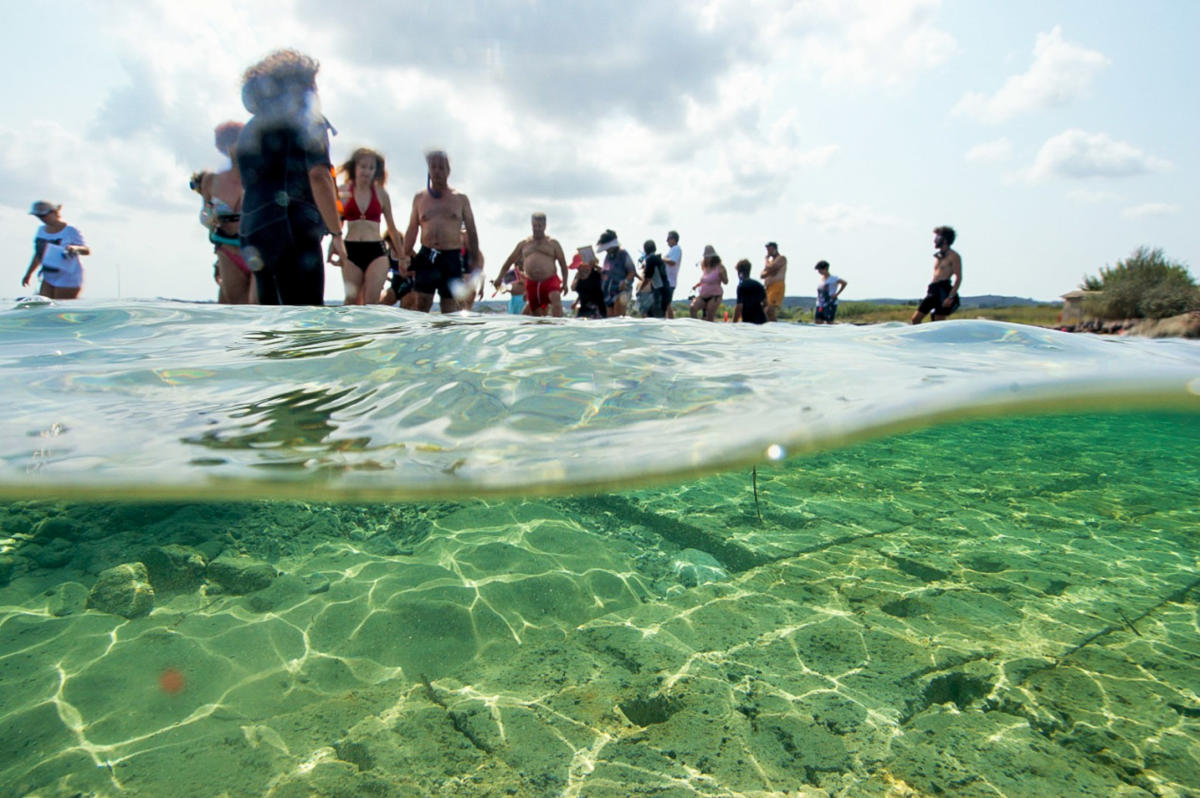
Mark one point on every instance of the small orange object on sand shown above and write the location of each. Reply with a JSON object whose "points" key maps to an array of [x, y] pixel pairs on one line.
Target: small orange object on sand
{"points": [[171, 681]]}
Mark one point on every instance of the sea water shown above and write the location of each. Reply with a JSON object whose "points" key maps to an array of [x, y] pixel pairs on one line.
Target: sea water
{"points": [[393, 554]]}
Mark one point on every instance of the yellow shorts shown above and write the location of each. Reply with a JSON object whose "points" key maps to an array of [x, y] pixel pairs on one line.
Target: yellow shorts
{"points": [[775, 295]]}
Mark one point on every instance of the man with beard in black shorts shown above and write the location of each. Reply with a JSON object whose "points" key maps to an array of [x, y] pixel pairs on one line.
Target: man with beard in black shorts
{"points": [[941, 298]]}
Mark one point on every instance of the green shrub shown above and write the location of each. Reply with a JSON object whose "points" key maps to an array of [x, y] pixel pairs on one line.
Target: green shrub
{"points": [[1144, 285]]}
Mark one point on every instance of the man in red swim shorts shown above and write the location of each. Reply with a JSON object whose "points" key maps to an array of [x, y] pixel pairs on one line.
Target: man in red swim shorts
{"points": [[537, 255]]}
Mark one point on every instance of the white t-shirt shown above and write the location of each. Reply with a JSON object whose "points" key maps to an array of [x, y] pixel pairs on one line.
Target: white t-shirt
{"points": [[827, 287], [673, 254], [58, 268]]}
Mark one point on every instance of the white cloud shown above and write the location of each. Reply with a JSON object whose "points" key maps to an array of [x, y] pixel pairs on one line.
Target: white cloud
{"points": [[1150, 209], [860, 42], [990, 151], [1078, 154], [841, 216], [1060, 72]]}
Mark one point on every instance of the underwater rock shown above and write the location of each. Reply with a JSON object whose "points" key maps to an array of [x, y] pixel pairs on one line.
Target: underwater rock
{"points": [[174, 567], [240, 575], [67, 599], [58, 527], [316, 583], [8, 564], [694, 567], [123, 590], [53, 554], [282, 592]]}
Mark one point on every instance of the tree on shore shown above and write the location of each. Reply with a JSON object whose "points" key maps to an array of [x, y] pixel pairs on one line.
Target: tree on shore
{"points": [[1146, 285]]}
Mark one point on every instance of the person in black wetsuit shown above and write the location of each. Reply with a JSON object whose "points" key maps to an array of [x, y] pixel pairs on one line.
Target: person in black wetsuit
{"points": [[290, 200]]}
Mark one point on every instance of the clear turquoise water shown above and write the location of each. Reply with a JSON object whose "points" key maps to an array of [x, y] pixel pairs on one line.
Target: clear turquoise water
{"points": [[524, 558]]}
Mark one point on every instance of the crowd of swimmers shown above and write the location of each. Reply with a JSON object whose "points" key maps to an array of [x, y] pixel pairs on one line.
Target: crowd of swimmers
{"points": [[267, 217]]}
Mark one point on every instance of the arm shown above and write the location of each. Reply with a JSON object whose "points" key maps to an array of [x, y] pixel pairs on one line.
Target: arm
{"points": [[472, 235], [957, 272], [509, 262], [737, 311], [78, 249], [39, 247], [410, 235], [841, 286], [562, 261], [393, 234], [325, 195]]}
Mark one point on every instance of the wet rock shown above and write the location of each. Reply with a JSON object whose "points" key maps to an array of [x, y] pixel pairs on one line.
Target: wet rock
{"points": [[174, 567], [240, 575], [123, 590], [68, 598], [694, 567]]}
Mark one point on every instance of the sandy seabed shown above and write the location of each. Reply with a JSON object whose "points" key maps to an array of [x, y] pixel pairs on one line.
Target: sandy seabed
{"points": [[1005, 608]]}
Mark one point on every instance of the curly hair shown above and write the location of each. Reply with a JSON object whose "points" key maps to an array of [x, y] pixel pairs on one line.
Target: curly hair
{"points": [[226, 135], [278, 72], [365, 152]]}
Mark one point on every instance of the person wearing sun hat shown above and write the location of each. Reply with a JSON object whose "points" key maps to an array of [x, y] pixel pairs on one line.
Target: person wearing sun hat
{"points": [[56, 250], [617, 273]]}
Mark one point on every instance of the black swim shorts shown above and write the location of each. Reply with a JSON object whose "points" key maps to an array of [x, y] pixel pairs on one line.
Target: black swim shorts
{"points": [[936, 296], [436, 271]]}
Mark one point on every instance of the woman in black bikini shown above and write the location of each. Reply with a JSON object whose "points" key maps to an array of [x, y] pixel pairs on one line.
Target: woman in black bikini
{"points": [[364, 204]]}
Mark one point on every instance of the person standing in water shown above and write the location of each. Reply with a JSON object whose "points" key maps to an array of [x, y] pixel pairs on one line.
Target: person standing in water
{"points": [[616, 275], [751, 297], [829, 288], [365, 203], [56, 250], [290, 200], [588, 286], [710, 287], [438, 216], [222, 193], [537, 256], [673, 259], [941, 297], [773, 275]]}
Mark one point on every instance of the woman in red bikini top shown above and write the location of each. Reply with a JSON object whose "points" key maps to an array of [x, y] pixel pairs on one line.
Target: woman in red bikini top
{"points": [[365, 203]]}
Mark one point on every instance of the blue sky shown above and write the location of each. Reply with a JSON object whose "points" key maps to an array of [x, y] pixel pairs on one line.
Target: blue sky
{"points": [[1053, 136]]}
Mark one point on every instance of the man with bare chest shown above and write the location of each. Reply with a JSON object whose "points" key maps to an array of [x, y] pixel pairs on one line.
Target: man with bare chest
{"points": [[941, 298], [440, 213], [537, 256]]}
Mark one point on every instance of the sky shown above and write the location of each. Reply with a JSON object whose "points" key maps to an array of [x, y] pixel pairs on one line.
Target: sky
{"points": [[1053, 136]]}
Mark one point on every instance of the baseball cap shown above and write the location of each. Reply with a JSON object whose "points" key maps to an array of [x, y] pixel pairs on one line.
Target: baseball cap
{"points": [[42, 207]]}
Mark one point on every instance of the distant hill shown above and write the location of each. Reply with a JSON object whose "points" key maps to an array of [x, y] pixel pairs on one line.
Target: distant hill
{"points": [[982, 301], [807, 302]]}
